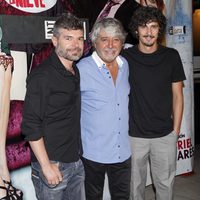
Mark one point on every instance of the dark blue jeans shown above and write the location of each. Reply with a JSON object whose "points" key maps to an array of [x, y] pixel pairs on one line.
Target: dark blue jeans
{"points": [[71, 188]]}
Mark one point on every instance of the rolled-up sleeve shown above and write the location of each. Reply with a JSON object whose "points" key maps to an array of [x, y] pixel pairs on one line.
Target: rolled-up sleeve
{"points": [[34, 106]]}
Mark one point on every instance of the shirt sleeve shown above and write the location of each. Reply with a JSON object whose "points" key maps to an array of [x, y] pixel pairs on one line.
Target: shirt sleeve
{"points": [[84, 76], [178, 71], [35, 106]]}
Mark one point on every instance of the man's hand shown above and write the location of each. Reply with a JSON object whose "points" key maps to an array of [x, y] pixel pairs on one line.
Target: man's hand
{"points": [[50, 170], [52, 174]]}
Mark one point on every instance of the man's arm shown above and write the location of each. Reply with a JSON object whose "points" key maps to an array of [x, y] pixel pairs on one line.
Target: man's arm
{"points": [[177, 91], [50, 170], [33, 117]]}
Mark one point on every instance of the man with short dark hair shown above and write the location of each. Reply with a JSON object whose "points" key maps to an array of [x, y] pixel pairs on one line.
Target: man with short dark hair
{"points": [[51, 116]]}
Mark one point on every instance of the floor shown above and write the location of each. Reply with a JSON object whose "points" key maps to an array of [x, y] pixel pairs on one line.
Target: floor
{"points": [[186, 187]]}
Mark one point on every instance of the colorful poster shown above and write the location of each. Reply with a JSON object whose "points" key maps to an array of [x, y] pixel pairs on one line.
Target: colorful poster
{"points": [[179, 36], [32, 6]]}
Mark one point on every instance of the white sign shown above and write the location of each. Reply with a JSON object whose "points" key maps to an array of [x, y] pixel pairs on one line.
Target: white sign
{"points": [[49, 28], [49, 24]]}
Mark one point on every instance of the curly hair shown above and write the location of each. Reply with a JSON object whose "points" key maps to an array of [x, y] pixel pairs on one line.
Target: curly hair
{"points": [[144, 15]]}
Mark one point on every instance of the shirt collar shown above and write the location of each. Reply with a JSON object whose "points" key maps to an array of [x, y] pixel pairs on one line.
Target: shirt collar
{"points": [[100, 63], [60, 67]]}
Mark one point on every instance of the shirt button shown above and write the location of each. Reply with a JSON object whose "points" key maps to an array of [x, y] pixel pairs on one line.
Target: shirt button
{"points": [[109, 76], [119, 157], [118, 146], [119, 118], [118, 132], [107, 72], [118, 104]]}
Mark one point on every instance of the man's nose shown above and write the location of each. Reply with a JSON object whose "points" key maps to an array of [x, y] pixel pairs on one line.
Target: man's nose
{"points": [[110, 43], [149, 31]]}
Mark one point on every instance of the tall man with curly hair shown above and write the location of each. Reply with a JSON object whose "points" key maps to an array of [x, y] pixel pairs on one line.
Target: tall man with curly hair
{"points": [[155, 104]]}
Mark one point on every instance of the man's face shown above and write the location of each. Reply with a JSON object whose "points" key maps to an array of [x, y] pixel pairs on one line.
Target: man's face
{"points": [[148, 34], [108, 46], [69, 44]]}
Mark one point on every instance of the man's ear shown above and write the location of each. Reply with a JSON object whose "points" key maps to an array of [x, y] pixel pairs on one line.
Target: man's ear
{"points": [[54, 41], [94, 45]]}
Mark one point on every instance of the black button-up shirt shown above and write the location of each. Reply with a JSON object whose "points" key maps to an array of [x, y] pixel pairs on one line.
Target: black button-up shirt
{"points": [[52, 110]]}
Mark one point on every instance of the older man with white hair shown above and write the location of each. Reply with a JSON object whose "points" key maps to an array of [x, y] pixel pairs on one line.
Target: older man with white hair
{"points": [[104, 113]]}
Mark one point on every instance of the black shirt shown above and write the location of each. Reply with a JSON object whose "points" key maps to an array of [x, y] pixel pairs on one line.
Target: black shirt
{"points": [[151, 77], [52, 110]]}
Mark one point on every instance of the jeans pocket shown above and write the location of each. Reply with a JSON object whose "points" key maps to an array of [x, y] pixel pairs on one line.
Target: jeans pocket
{"points": [[36, 181], [38, 176], [175, 135], [44, 180]]}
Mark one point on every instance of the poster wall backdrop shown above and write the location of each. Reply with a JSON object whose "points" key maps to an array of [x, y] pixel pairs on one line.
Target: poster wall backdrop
{"points": [[179, 36]]}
